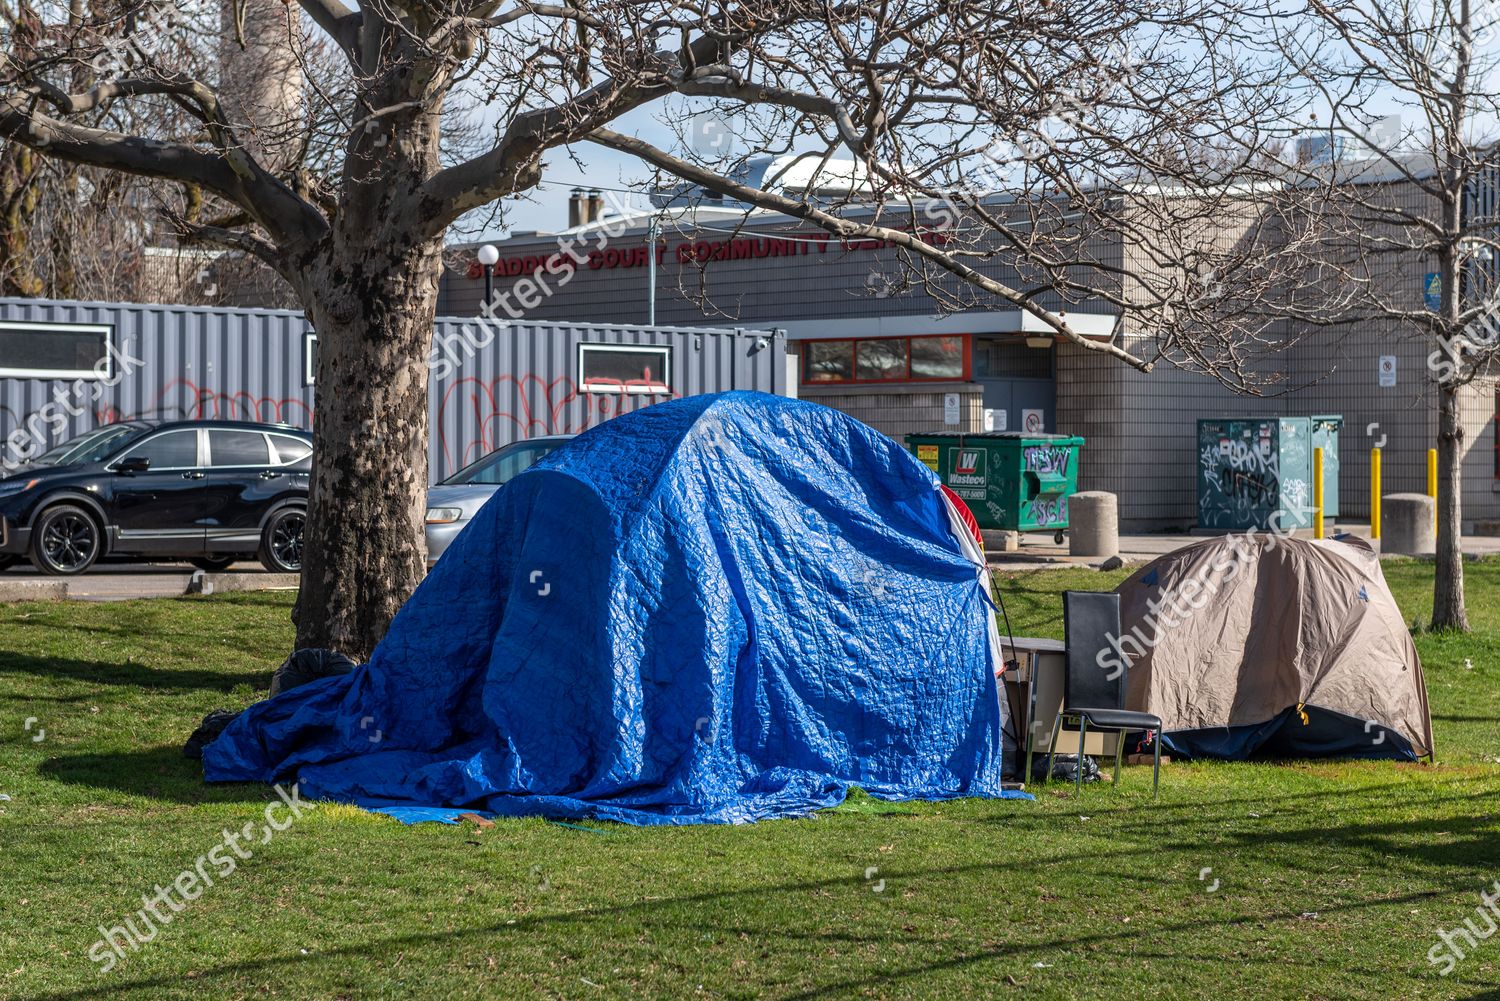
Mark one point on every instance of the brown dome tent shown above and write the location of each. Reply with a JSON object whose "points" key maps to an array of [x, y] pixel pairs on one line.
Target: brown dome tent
{"points": [[1259, 646]]}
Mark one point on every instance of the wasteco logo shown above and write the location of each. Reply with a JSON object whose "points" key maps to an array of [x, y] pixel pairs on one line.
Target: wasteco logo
{"points": [[968, 468]]}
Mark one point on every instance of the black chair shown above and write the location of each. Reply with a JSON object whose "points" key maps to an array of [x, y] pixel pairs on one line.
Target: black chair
{"points": [[1091, 697]]}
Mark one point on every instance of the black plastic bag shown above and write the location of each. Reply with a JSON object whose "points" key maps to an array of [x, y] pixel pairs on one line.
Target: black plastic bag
{"points": [[308, 665], [208, 731], [1065, 769]]}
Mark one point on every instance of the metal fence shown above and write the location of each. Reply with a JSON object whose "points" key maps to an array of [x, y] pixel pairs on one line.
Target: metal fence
{"points": [[66, 367]]}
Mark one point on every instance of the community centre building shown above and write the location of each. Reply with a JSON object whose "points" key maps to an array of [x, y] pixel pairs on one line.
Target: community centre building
{"points": [[677, 299], [903, 364]]}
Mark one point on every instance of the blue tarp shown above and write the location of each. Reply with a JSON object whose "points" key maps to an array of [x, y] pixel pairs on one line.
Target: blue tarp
{"points": [[718, 609]]}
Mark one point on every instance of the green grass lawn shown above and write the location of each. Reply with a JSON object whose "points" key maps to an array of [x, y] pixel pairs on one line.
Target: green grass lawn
{"points": [[1325, 880]]}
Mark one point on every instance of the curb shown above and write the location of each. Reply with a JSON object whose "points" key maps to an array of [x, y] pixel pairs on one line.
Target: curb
{"points": [[33, 590], [223, 583], [198, 583], [1014, 561]]}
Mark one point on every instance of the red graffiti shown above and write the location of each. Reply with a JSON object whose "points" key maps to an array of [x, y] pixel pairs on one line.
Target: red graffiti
{"points": [[542, 407], [211, 404]]}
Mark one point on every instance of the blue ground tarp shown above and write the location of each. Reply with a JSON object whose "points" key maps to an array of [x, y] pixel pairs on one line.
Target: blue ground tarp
{"points": [[718, 609]]}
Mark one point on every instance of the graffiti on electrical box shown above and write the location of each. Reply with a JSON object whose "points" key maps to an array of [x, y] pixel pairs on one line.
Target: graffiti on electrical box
{"points": [[1248, 470]]}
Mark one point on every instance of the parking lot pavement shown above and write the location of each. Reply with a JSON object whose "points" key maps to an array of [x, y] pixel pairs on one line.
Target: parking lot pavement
{"points": [[123, 581]]}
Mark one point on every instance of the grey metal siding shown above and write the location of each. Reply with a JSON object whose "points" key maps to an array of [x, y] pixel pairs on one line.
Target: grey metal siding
{"points": [[247, 364], [823, 279]]}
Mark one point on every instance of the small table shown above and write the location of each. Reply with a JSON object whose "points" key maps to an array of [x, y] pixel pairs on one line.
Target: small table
{"points": [[1034, 690]]}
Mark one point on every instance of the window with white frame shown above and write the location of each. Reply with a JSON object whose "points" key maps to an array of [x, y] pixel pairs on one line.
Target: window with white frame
{"points": [[54, 350], [309, 358], [625, 368]]}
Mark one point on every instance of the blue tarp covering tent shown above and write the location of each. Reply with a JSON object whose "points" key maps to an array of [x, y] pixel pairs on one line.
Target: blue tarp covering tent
{"points": [[718, 609]]}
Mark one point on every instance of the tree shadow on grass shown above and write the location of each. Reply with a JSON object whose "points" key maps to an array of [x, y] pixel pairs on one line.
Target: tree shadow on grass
{"points": [[139, 676], [1461, 843], [149, 639], [159, 773], [696, 911]]}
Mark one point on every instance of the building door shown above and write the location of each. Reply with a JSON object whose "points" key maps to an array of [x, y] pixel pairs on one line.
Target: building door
{"points": [[1018, 382]]}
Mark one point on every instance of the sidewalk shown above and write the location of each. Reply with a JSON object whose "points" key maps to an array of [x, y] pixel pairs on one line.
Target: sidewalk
{"points": [[1038, 550]]}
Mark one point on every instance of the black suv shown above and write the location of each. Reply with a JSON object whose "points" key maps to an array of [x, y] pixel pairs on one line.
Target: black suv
{"points": [[209, 492]]}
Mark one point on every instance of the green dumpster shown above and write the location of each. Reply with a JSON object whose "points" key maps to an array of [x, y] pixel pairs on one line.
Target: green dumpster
{"points": [[1012, 481]]}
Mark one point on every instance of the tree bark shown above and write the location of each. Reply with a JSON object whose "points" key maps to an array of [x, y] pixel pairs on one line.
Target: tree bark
{"points": [[371, 288], [19, 192], [1448, 610], [365, 550]]}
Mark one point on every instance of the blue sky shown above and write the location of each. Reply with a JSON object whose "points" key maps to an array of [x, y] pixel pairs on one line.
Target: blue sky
{"points": [[546, 208]]}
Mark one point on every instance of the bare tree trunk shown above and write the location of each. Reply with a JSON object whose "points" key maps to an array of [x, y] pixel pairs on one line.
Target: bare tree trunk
{"points": [[1448, 610], [18, 198], [372, 296], [364, 550]]}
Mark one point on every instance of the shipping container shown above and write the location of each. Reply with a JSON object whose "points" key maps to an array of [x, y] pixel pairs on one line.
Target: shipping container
{"points": [[66, 367]]}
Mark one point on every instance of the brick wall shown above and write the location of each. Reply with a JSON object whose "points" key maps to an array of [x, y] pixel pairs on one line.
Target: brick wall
{"points": [[901, 410], [1141, 429]]}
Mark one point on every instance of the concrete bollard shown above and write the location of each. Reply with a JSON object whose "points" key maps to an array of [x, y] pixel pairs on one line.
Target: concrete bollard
{"points": [[1406, 525], [1093, 524], [996, 541]]}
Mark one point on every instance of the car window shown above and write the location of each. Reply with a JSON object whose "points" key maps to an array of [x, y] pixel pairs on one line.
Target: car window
{"points": [[171, 450], [290, 450], [90, 446], [503, 466], [238, 448]]}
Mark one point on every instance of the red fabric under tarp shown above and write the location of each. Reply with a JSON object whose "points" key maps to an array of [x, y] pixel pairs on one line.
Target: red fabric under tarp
{"points": [[965, 514]]}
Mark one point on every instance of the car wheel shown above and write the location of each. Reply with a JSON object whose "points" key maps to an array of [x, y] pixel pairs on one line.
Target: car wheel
{"points": [[281, 542], [65, 540], [213, 564]]}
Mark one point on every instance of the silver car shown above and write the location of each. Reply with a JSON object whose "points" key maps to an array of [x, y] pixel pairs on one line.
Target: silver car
{"points": [[453, 502]]}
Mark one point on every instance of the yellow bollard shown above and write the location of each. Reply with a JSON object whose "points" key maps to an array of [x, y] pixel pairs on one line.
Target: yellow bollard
{"points": [[1432, 481], [1374, 493], [1317, 493]]}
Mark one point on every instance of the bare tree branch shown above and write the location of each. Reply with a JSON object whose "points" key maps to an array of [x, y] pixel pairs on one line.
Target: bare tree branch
{"points": [[267, 200], [340, 24], [848, 229]]}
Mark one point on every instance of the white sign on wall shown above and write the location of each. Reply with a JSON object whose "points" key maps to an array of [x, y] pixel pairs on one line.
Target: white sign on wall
{"points": [[994, 420], [950, 409], [1387, 371], [1032, 421]]}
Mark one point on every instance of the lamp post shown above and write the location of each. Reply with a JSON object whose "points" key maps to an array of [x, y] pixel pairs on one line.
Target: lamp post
{"points": [[653, 234], [488, 256]]}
